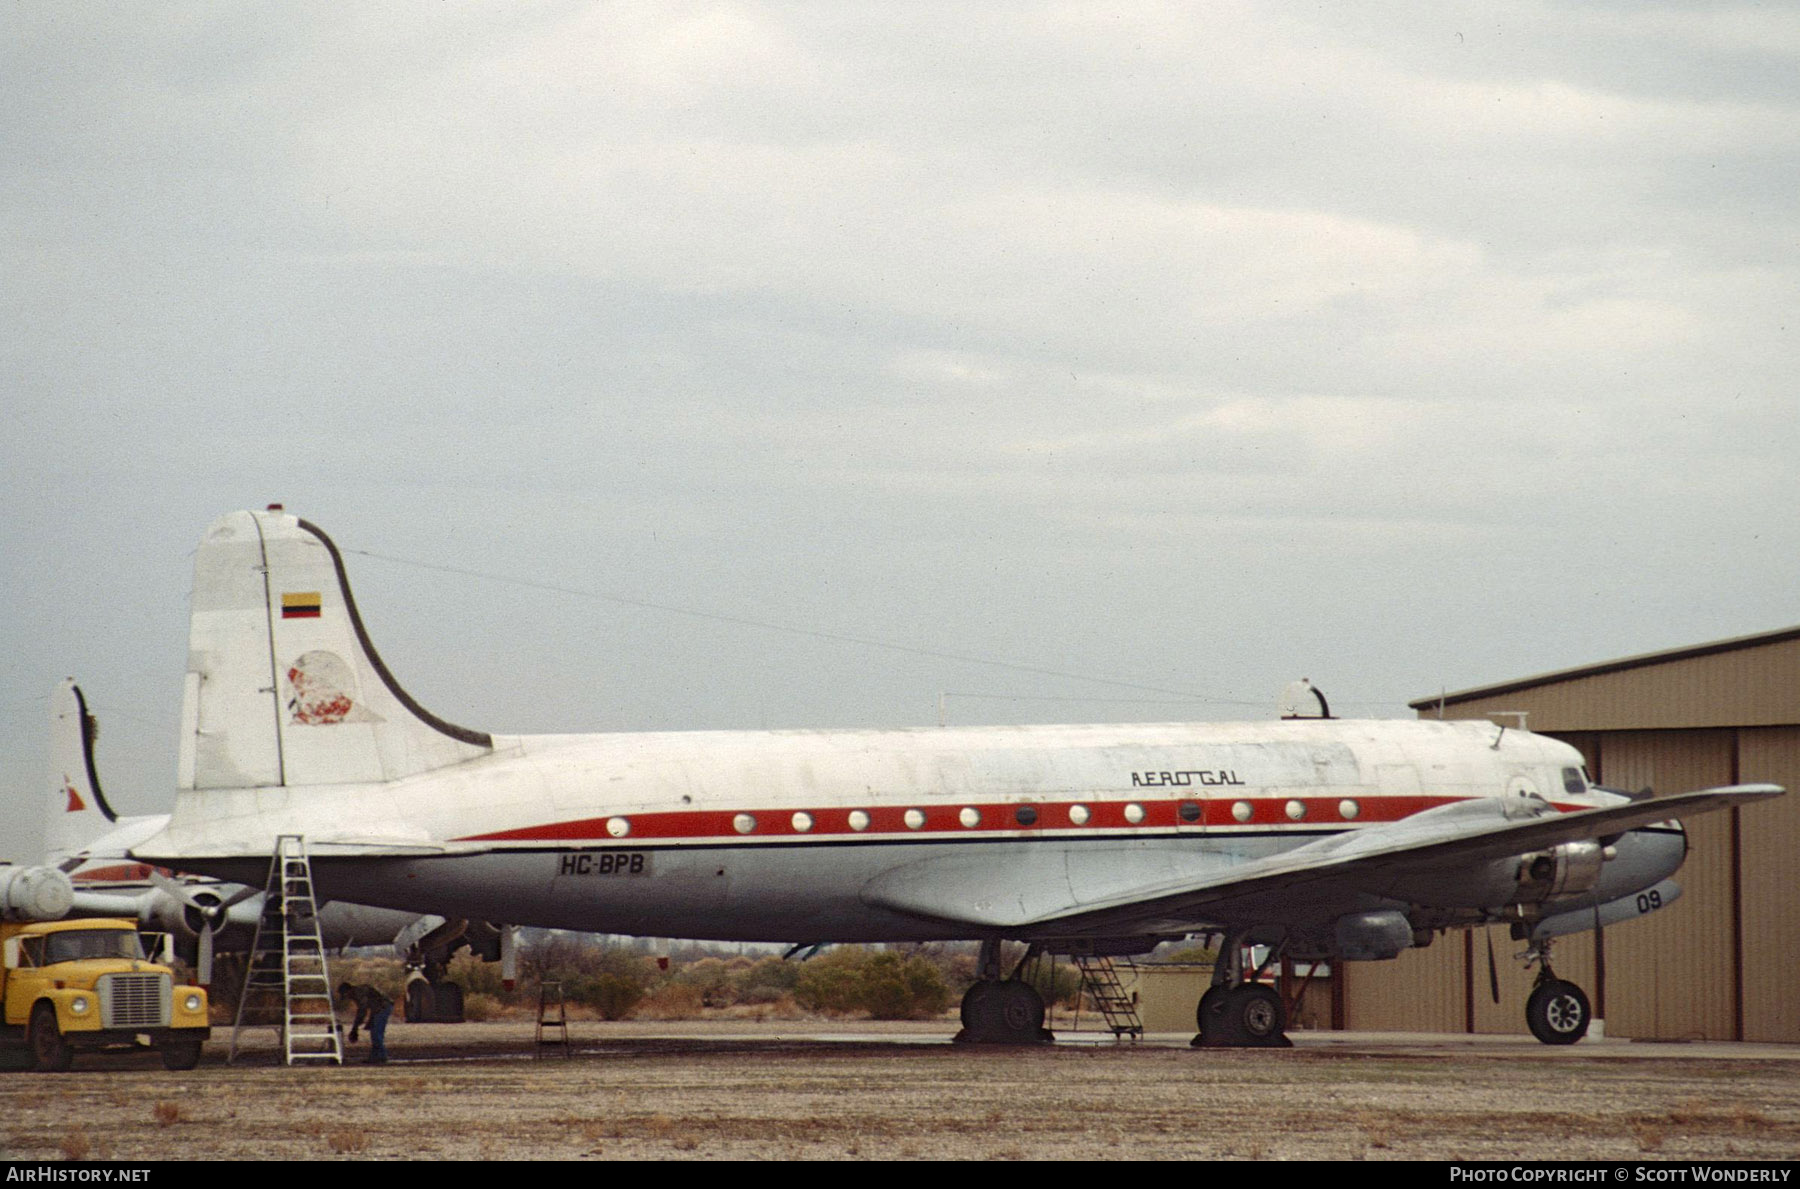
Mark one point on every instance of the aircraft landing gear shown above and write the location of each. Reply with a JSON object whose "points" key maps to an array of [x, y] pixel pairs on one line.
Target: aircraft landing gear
{"points": [[1558, 1011], [1239, 1012], [1002, 1011]]}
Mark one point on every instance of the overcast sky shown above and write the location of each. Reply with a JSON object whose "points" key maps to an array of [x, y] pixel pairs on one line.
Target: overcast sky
{"points": [[1193, 347]]}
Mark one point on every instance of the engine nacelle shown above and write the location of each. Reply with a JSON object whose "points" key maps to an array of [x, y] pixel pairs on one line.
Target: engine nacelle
{"points": [[35, 894], [1372, 936], [1560, 871]]}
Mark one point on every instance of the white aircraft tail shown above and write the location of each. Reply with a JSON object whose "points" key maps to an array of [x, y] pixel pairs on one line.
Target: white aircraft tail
{"points": [[283, 686], [78, 813]]}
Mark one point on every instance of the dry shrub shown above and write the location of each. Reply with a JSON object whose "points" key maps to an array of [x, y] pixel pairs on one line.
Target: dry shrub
{"points": [[480, 1008], [783, 1008], [75, 1145], [1649, 1136], [671, 1001], [166, 1112], [347, 1139]]}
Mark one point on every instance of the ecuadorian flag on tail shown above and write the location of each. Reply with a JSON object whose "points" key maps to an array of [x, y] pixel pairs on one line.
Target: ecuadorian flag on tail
{"points": [[302, 604]]}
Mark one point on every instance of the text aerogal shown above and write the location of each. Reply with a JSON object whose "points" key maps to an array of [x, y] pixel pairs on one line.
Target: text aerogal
{"points": [[1185, 779]]}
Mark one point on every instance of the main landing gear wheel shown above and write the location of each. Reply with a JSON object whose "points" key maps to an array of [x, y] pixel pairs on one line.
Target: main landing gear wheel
{"points": [[1558, 1012], [1009, 1012], [1249, 1015]]}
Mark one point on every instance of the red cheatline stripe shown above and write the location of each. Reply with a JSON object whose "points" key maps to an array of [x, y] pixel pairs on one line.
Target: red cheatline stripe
{"points": [[996, 818]]}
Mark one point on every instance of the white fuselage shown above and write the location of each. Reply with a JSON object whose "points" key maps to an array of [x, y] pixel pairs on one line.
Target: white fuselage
{"points": [[809, 835]]}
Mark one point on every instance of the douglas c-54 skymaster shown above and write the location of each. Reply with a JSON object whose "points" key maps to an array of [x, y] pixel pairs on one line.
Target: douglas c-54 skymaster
{"points": [[1326, 840]]}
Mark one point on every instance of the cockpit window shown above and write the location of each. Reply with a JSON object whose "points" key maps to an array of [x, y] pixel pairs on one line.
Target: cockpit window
{"points": [[1575, 780]]}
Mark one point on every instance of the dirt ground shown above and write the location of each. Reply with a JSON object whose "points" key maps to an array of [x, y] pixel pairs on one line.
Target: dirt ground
{"points": [[810, 1090]]}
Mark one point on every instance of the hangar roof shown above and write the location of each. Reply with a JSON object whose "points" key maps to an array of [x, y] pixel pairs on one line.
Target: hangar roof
{"points": [[1744, 681]]}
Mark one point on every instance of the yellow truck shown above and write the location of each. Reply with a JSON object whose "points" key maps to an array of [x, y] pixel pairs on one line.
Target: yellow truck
{"points": [[81, 985]]}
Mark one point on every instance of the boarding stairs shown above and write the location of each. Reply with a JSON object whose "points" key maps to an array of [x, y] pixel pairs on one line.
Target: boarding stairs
{"points": [[1100, 980], [287, 966]]}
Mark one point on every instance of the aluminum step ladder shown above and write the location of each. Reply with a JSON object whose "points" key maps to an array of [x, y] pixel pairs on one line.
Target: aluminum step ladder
{"points": [[287, 964], [1100, 979]]}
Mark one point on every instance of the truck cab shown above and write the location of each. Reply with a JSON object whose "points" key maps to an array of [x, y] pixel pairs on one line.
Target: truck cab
{"points": [[82, 985]]}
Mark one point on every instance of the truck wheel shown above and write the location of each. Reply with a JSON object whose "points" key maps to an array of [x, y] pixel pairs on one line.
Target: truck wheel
{"points": [[181, 1054], [50, 1053]]}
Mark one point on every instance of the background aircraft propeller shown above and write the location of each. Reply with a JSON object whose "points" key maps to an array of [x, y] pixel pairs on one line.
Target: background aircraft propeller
{"points": [[204, 912]]}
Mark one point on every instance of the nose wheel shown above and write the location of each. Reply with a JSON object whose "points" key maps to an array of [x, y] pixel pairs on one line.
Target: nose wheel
{"points": [[1558, 1011]]}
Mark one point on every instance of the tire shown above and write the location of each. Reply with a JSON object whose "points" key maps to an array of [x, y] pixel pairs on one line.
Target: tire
{"points": [[1021, 1011], [1248, 1015], [50, 1053], [181, 1054], [1003, 1013], [1208, 1002], [1258, 1013], [972, 1003], [1558, 1012]]}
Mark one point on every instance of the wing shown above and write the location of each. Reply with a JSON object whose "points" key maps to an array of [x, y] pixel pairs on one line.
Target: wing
{"points": [[1064, 892]]}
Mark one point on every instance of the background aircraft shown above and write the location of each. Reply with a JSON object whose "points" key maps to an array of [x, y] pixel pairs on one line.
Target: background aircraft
{"points": [[91, 843], [1322, 839]]}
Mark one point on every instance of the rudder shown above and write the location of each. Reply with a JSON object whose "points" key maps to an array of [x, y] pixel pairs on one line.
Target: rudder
{"points": [[77, 812]]}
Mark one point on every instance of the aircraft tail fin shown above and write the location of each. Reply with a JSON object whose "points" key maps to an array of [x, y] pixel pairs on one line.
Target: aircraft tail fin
{"points": [[78, 812], [283, 686]]}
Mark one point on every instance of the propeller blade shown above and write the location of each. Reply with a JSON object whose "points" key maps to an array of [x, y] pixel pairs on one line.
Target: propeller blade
{"points": [[239, 896], [205, 961], [1493, 974], [177, 889]]}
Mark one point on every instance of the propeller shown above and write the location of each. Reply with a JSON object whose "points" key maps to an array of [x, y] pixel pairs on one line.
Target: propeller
{"points": [[204, 912], [1493, 974]]}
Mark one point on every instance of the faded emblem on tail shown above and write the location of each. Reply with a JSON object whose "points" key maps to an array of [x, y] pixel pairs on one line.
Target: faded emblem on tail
{"points": [[322, 691]]}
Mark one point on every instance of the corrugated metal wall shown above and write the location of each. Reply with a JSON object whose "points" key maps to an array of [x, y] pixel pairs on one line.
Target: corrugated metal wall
{"points": [[1420, 991], [1769, 858], [1669, 975]]}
